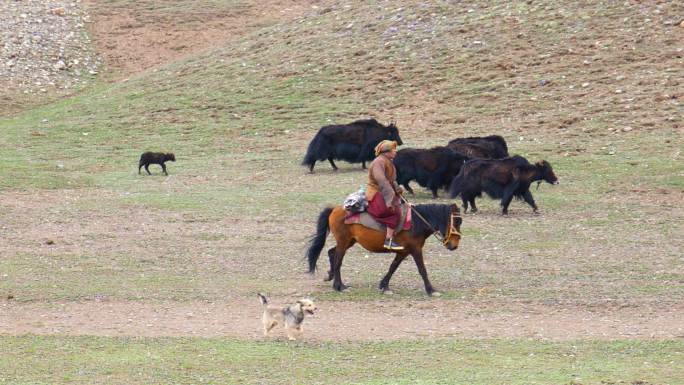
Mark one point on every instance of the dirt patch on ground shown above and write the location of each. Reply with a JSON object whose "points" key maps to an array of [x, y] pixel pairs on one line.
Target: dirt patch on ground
{"points": [[340, 321], [136, 36]]}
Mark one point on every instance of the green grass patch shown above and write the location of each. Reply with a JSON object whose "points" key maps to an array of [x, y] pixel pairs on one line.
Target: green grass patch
{"points": [[95, 360]]}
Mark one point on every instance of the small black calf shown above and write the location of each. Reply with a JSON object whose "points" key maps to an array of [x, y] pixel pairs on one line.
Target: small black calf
{"points": [[148, 158]]}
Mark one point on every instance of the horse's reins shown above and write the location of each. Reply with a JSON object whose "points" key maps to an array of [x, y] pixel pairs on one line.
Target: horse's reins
{"points": [[435, 232]]}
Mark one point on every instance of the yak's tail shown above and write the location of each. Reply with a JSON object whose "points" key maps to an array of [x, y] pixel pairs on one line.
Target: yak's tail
{"points": [[318, 240], [315, 148], [263, 299]]}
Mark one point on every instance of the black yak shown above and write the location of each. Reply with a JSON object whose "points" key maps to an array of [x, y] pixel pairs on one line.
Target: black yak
{"points": [[500, 179], [486, 147], [433, 168], [353, 142], [148, 158]]}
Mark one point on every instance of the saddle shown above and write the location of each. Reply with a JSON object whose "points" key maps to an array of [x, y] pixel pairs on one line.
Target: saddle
{"points": [[367, 220]]}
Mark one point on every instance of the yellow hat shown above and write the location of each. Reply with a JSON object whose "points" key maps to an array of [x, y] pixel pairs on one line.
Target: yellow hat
{"points": [[384, 146]]}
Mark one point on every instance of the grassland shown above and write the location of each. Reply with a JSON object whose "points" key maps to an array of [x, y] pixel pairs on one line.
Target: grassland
{"points": [[88, 360], [80, 225]]}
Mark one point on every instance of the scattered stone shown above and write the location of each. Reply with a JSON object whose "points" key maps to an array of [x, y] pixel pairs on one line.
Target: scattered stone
{"points": [[37, 38], [58, 11], [49, 242], [627, 129]]}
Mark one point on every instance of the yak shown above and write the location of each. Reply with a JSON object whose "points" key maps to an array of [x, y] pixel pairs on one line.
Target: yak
{"points": [[353, 142], [500, 179], [433, 168], [486, 147]]}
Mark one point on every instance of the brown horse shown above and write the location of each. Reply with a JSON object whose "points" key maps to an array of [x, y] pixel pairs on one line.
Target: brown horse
{"points": [[425, 220]]}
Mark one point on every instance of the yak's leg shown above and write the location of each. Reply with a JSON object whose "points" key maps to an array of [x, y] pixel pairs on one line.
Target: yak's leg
{"points": [[465, 204], [530, 201], [139, 167], [311, 167], [508, 196], [164, 169], [408, 188], [420, 263], [147, 168], [363, 164], [472, 205], [384, 284], [332, 164]]}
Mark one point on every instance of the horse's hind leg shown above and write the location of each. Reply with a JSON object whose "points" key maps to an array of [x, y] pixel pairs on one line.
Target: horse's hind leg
{"points": [[331, 258], [420, 263], [384, 284], [337, 267]]}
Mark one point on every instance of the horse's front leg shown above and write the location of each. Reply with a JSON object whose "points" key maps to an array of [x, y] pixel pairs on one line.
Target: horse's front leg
{"points": [[420, 263], [384, 284]]}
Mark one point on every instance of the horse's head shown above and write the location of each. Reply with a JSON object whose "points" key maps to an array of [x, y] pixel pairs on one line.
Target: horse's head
{"points": [[452, 237]]}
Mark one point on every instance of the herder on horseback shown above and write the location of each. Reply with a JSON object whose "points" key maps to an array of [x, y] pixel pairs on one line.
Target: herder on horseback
{"points": [[382, 191], [349, 225]]}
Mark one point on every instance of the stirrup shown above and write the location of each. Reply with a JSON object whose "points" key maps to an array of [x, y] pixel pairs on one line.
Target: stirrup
{"points": [[391, 245]]}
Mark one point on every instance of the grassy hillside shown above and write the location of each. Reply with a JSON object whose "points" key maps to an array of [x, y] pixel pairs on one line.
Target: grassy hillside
{"points": [[593, 88]]}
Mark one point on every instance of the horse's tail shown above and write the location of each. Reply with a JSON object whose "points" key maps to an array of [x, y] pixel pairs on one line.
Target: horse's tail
{"points": [[318, 240]]}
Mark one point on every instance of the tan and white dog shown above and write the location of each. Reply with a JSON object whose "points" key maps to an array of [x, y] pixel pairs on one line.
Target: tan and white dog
{"points": [[290, 317]]}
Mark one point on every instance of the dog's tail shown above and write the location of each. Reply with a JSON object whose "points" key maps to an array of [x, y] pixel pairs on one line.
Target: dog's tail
{"points": [[263, 299], [318, 240]]}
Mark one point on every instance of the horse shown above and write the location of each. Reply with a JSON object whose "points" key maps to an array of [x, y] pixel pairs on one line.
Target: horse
{"points": [[426, 220]]}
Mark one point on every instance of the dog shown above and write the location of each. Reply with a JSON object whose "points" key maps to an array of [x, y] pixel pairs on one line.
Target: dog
{"points": [[291, 317], [159, 158]]}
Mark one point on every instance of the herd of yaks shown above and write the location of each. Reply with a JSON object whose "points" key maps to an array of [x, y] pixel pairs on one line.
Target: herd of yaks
{"points": [[465, 167]]}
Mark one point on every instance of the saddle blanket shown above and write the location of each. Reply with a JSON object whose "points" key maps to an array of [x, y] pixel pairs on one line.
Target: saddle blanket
{"points": [[367, 220]]}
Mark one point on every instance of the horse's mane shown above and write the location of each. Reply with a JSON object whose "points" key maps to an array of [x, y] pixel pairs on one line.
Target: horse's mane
{"points": [[436, 214]]}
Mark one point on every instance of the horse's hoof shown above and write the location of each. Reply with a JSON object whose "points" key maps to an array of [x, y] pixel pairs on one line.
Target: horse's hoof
{"points": [[435, 294]]}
